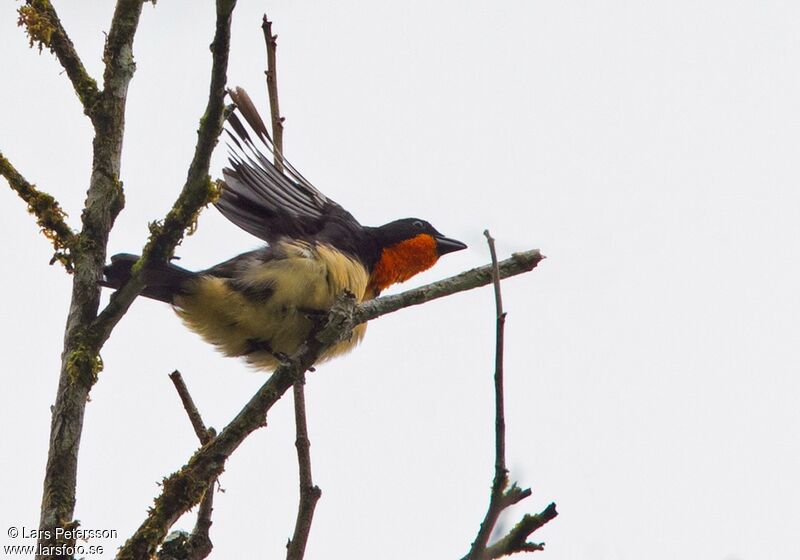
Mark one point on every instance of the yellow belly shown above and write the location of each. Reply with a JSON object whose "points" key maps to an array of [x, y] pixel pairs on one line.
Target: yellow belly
{"points": [[264, 312]]}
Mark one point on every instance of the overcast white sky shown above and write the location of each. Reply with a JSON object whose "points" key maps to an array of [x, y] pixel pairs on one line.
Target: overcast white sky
{"points": [[650, 149]]}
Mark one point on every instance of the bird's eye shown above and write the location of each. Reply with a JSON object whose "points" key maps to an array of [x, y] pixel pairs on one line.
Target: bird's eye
{"points": [[418, 224]]}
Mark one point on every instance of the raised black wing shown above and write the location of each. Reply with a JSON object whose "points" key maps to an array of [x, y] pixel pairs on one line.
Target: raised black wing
{"points": [[264, 201]]}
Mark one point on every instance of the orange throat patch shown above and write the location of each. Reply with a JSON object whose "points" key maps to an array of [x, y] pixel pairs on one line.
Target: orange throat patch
{"points": [[400, 262]]}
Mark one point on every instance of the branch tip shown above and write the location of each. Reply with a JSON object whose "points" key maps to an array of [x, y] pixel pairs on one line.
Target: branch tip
{"points": [[50, 217]]}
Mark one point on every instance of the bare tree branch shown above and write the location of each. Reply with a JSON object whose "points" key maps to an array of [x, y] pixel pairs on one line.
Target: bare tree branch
{"points": [[496, 502], [191, 409], [43, 26], [49, 215], [272, 89], [309, 493], [184, 488], [197, 545], [516, 540], [502, 496]]}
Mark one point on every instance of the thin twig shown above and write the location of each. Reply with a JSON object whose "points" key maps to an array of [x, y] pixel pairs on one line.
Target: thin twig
{"points": [[516, 540], [272, 89], [501, 473], [309, 493], [183, 489], [49, 215], [500, 482], [198, 544], [502, 496], [191, 410]]}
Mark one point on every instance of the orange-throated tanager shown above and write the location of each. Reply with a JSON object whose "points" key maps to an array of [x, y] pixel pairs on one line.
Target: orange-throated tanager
{"points": [[260, 305]]}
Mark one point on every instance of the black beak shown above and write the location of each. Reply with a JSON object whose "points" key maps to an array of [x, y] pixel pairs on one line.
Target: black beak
{"points": [[446, 245]]}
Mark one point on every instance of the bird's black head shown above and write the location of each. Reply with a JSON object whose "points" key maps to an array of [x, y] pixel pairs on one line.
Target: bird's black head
{"points": [[407, 229], [405, 248]]}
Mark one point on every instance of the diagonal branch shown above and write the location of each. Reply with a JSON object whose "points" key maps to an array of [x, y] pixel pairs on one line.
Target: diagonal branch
{"points": [[516, 540], [196, 545], [198, 425], [197, 192], [49, 215], [184, 488], [43, 26], [475, 278]]}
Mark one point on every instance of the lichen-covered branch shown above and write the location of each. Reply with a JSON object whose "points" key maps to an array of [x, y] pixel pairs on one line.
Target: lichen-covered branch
{"points": [[43, 26], [184, 488], [49, 215], [81, 362], [198, 190]]}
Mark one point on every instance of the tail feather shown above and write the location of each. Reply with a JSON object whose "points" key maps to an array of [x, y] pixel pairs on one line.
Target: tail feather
{"points": [[163, 281]]}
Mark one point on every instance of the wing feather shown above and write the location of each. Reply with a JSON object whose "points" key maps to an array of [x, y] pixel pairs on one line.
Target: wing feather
{"points": [[262, 200]]}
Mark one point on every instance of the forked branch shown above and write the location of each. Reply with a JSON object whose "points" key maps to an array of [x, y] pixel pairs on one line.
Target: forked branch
{"points": [[198, 190], [197, 545], [502, 496]]}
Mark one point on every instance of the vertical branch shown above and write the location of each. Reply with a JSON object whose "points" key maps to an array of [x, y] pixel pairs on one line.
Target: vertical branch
{"points": [[500, 471], [80, 360], [272, 89], [309, 494], [500, 481], [502, 496]]}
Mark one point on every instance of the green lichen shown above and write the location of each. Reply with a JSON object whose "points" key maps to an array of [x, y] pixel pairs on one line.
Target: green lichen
{"points": [[50, 217], [180, 491], [84, 365], [213, 190], [37, 25]]}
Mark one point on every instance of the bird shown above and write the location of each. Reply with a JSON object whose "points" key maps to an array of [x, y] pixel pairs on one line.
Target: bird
{"points": [[262, 305]]}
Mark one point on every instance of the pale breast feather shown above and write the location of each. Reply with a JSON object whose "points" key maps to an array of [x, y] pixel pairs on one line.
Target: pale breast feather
{"points": [[260, 307]]}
